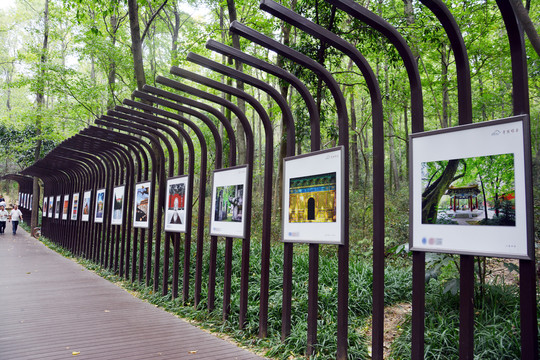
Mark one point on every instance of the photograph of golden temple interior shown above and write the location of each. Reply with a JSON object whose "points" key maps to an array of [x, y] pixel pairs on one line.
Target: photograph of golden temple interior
{"points": [[313, 198]]}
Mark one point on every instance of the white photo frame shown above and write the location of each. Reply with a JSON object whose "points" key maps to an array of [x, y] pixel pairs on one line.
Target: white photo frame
{"points": [[488, 149], [100, 206], [228, 199], [45, 205], [51, 205], [85, 209], [65, 207], [57, 207], [142, 207], [117, 206], [74, 206], [176, 205], [313, 197]]}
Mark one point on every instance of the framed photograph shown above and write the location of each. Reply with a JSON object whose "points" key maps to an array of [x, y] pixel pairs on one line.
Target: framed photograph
{"points": [[175, 204], [100, 206], [45, 203], [471, 189], [57, 207], [87, 197], [228, 198], [313, 197], [65, 207], [51, 205], [118, 205], [75, 206], [141, 213]]}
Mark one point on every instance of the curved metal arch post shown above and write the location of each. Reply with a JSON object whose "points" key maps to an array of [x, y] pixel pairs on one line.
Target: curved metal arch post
{"points": [[268, 171], [232, 161], [152, 179], [176, 100], [94, 243], [134, 128], [202, 188], [116, 161], [137, 148], [520, 97], [202, 184], [343, 250], [249, 160], [101, 146], [84, 237], [149, 124], [80, 147], [244, 280], [58, 175], [350, 50], [417, 125]]}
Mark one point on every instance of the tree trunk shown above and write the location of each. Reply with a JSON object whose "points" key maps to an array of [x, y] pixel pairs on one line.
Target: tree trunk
{"points": [[432, 195], [241, 140], [354, 146], [111, 78], [40, 100], [136, 43], [444, 77], [394, 174], [527, 24]]}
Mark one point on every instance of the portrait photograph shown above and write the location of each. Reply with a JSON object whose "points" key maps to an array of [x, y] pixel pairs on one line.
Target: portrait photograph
{"points": [[175, 204]]}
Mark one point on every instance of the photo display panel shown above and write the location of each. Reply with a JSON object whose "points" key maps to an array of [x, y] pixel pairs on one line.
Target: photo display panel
{"points": [[65, 207], [87, 195], [118, 205], [57, 207], [75, 206], [176, 204], [141, 213], [51, 205], [471, 190], [100, 206], [45, 203], [228, 199], [313, 197]]}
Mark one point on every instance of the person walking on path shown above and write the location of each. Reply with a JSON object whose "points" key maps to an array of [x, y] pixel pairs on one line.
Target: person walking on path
{"points": [[16, 215], [3, 219]]}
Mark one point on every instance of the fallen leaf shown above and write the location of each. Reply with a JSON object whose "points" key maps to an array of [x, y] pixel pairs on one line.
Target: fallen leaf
{"points": [[75, 353], [192, 352], [107, 310], [28, 273]]}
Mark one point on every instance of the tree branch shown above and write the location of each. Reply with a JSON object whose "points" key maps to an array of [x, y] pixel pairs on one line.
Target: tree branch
{"points": [[152, 19]]}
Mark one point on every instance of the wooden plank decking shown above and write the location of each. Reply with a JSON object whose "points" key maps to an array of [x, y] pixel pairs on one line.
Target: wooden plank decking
{"points": [[51, 308]]}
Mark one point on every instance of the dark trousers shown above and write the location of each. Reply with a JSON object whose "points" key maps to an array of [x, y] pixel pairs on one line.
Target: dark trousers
{"points": [[15, 225], [2, 226]]}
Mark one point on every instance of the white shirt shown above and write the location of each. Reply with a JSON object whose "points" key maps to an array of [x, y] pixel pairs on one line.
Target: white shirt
{"points": [[3, 215], [15, 215]]}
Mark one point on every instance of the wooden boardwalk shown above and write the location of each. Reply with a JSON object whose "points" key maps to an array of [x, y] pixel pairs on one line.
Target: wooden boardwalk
{"points": [[52, 308]]}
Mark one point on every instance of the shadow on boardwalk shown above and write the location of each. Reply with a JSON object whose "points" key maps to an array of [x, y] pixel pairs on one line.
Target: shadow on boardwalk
{"points": [[53, 308]]}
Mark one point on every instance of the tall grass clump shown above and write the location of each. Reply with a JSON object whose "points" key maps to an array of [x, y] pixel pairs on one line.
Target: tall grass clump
{"points": [[496, 325]]}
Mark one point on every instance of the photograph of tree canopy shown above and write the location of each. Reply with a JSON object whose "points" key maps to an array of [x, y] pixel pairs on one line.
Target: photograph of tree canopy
{"points": [[471, 191]]}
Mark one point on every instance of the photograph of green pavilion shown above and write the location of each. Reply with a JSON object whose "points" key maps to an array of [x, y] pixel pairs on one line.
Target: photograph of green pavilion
{"points": [[470, 191], [313, 198]]}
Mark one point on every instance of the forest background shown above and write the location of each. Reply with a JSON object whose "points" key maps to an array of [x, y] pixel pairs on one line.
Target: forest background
{"points": [[64, 63]]}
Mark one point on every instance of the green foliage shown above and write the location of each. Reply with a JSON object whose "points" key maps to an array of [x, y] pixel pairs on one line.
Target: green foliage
{"points": [[496, 325]]}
